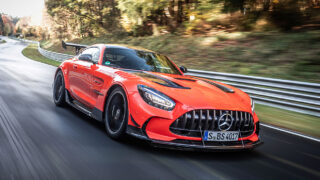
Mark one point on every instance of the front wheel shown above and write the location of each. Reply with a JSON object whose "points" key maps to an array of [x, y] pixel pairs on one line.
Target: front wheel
{"points": [[116, 114], [59, 89]]}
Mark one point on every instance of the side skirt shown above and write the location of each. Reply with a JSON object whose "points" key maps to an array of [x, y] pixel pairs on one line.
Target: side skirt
{"points": [[94, 113]]}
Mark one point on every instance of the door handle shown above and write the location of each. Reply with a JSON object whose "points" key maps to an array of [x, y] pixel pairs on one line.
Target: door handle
{"points": [[75, 66]]}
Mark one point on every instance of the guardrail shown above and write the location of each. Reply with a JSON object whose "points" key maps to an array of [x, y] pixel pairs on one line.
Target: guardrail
{"points": [[53, 55], [295, 96], [48, 54], [290, 95]]}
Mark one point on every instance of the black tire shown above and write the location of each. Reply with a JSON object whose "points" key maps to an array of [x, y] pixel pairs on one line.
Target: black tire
{"points": [[59, 89], [116, 114]]}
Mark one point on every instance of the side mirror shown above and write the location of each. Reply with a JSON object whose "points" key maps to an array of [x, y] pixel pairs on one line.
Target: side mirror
{"points": [[85, 57], [183, 69]]}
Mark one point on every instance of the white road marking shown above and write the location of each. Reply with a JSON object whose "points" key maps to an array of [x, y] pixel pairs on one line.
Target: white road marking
{"points": [[291, 132]]}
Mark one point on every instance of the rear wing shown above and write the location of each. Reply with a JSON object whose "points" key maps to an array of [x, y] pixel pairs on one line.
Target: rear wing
{"points": [[77, 47]]}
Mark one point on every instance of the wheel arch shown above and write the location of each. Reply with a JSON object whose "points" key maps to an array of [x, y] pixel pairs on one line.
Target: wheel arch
{"points": [[112, 87], [64, 69], [55, 74], [57, 70]]}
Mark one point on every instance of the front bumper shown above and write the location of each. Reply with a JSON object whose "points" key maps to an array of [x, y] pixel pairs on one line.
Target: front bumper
{"points": [[153, 125], [194, 145]]}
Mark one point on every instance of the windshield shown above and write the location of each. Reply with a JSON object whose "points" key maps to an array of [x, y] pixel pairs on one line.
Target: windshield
{"points": [[138, 60]]}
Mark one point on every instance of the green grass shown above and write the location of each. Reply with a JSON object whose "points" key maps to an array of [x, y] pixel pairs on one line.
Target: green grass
{"points": [[32, 52], [290, 120], [293, 56], [2, 41]]}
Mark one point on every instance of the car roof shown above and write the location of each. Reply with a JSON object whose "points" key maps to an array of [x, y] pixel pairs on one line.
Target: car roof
{"points": [[123, 46]]}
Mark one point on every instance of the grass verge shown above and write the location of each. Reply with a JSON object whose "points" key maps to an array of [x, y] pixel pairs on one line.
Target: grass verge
{"points": [[293, 56], [298, 122], [32, 52], [2, 41]]}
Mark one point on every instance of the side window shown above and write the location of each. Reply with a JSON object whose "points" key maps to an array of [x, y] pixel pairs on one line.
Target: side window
{"points": [[86, 51], [94, 52]]}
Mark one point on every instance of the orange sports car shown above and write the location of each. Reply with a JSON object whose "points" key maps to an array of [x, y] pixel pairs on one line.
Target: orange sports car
{"points": [[142, 93]]}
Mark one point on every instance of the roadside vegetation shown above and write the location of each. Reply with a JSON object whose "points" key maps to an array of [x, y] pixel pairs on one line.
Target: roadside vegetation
{"points": [[278, 39], [2, 41], [289, 120], [293, 56], [31, 52]]}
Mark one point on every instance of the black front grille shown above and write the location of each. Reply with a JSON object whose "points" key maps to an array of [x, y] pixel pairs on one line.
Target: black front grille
{"points": [[193, 123]]}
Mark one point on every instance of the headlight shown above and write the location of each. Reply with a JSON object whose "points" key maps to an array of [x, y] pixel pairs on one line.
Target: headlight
{"points": [[156, 98], [252, 105]]}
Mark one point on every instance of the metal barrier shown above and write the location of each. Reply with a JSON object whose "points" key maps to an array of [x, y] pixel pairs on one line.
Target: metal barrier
{"points": [[295, 96], [48, 54], [53, 55], [290, 95]]}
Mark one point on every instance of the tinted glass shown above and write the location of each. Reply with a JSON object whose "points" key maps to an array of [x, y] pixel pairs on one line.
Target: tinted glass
{"points": [[95, 55], [138, 60], [94, 52]]}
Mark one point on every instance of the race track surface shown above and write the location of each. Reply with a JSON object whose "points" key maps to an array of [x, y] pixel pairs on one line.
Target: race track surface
{"points": [[41, 141]]}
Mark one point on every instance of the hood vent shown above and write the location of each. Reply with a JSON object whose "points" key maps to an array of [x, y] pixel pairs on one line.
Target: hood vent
{"points": [[157, 79], [223, 88], [186, 79]]}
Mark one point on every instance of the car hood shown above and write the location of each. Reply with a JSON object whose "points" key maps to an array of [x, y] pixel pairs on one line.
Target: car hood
{"points": [[194, 92]]}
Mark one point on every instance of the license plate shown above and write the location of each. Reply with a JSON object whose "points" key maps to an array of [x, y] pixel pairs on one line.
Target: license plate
{"points": [[221, 136]]}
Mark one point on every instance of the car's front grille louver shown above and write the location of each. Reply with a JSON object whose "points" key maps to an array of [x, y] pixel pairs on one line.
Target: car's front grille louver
{"points": [[193, 123]]}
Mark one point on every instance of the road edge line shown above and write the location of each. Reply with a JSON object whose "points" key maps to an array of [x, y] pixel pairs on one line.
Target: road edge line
{"points": [[291, 132]]}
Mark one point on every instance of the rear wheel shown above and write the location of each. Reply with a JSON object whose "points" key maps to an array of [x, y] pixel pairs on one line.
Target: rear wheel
{"points": [[59, 89], [116, 114]]}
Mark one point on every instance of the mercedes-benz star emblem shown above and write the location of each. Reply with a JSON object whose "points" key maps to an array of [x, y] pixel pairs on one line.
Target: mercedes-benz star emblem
{"points": [[225, 122]]}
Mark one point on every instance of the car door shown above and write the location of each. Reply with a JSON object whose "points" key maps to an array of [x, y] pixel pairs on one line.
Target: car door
{"points": [[102, 77], [97, 78], [82, 76]]}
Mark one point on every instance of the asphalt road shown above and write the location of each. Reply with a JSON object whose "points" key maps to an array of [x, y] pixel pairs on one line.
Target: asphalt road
{"points": [[41, 141]]}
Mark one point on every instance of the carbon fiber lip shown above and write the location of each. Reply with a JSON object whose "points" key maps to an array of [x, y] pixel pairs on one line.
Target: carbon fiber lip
{"points": [[192, 147]]}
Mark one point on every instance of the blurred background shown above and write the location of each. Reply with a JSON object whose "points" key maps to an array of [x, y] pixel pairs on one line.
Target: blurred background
{"points": [[265, 38], [272, 38]]}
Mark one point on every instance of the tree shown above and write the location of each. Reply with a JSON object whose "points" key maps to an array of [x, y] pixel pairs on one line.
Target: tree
{"points": [[8, 27], [84, 17], [170, 14], [1, 25]]}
